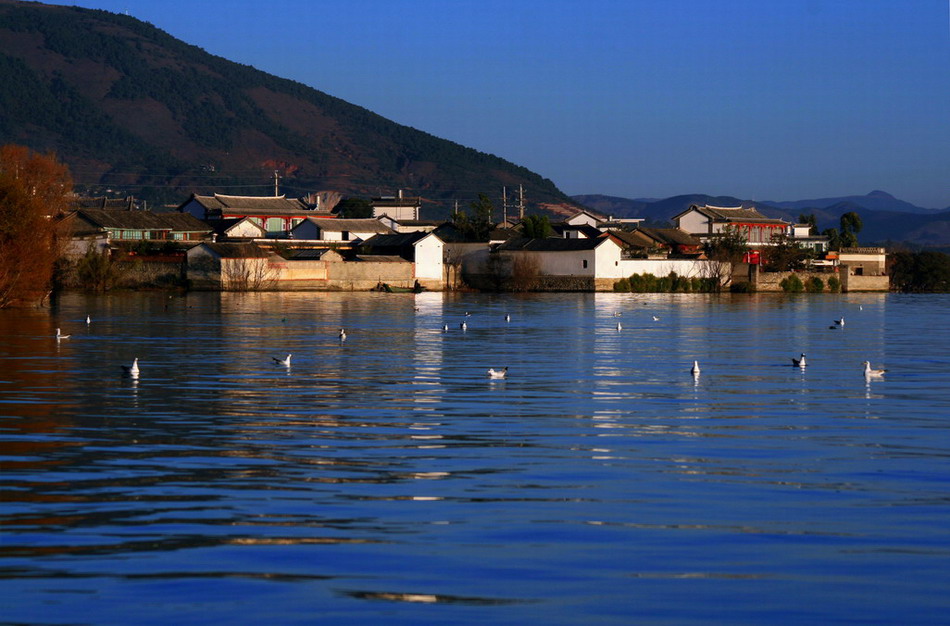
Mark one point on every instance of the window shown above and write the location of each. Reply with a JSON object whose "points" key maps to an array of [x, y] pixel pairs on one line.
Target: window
{"points": [[585, 263], [345, 235]]}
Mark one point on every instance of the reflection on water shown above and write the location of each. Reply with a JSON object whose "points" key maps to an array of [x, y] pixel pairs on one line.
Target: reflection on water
{"points": [[387, 478]]}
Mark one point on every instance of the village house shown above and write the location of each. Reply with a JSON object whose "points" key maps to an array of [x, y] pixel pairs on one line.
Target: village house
{"points": [[101, 228], [801, 234], [424, 250], [576, 231], [338, 230], [569, 264], [647, 242], [237, 228], [277, 215], [706, 222], [584, 218], [397, 207]]}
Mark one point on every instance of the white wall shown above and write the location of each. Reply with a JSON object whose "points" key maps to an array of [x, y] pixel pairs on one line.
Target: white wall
{"points": [[694, 222], [607, 260], [663, 267], [245, 229], [429, 258], [566, 263], [582, 218]]}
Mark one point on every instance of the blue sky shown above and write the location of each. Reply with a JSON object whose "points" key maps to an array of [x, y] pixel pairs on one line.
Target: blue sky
{"points": [[759, 99]]}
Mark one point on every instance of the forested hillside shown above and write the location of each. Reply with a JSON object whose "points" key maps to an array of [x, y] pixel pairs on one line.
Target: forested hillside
{"points": [[131, 108]]}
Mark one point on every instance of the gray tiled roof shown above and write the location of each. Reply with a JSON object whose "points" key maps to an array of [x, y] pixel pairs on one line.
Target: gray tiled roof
{"points": [[732, 214], [360, 225], [237, 250], [396, 240], [143, 220], [671, 236], [550, 244]]}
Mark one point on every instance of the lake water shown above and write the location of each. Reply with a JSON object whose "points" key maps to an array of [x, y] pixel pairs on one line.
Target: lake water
{"points": [[387, 479]]}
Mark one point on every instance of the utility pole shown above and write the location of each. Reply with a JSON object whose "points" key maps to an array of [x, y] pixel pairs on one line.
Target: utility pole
{"points": [[276, 178], [504, 205], [521, 202]]}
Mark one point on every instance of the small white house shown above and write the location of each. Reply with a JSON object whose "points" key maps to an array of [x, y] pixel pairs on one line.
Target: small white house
{"points": [[239, 228], [584, 218], [425, 250], [335, 229], [397, 207], [597, 260]]}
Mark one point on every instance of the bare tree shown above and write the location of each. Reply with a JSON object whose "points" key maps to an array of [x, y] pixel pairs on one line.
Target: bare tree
{"points": [[525, 271], [248, 274], [33, 194]]}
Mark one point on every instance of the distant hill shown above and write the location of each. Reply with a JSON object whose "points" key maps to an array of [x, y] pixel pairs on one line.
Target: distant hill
{"points": [[874, 201], [902, 222], [128, 106]]}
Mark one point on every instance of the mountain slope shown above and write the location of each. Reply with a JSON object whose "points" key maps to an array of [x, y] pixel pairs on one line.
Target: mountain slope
{"points": [[126, 105]]}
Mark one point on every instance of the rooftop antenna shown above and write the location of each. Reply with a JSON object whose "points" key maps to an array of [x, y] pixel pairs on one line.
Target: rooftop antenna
{"points": [[521, 202]]}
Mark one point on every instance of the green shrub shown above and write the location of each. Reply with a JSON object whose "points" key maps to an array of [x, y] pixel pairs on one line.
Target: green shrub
{"points": [[815, 285], [97, 272], [671, 283], [834, 285], [792, 284]]}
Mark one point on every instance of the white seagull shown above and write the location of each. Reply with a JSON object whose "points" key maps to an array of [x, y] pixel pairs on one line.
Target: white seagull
{"points": [[695, 369], [88, 320], [872, 373], [799, 362], [507, 317], [284, 362], [493, 373], [656, 319], [342, 335], [840, 322], [132, 370], [59, 335], [445, 328], [619, 327], [463, 325]]}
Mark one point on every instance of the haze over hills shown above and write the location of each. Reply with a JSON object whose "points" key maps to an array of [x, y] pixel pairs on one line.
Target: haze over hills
{"points": [[131, 108], [885, 218]]}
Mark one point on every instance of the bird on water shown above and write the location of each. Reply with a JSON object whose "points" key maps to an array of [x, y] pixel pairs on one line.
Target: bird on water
{"points": [[870, 372], [132, 370], [493, 373]]}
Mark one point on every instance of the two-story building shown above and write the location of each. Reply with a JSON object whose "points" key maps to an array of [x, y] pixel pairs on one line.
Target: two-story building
{"points": [[397, 207], [707, 222]]}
